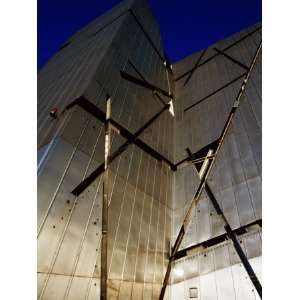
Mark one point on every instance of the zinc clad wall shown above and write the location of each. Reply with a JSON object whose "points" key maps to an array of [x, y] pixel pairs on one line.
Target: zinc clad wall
{"points": [[67, 74], [239, 163], [69, 227], [147, 200], [236, 176]]}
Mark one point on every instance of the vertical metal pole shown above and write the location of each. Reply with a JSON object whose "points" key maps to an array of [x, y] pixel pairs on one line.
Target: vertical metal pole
{"points": [[103, 287]]}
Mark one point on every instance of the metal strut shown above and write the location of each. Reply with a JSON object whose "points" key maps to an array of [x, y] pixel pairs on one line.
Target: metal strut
{"points": [[215, 92], [236, 244], [217, 54], [195, 67], [131, 12], [143, 81], [103, 290], [217, 239], [144, 84], [132, 138], [232, 59], [205, 171]]}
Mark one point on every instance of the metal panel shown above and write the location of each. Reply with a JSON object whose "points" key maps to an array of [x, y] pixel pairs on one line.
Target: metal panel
{"points": [[78, 288], [244, 204], [243, 287], [253, 245], [93, 291], [206, 263], [40, 281], [125, 290], [147, 200], [51, 174], [137, 291], [191, 283], [208, 288], [56, 287], [221, 257], [147, 291], [177, 292], [234, 178], [203, 228], [225, 286]]}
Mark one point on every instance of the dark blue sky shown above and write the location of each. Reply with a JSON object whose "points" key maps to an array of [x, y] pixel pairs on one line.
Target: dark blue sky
{"points": [[186, 25]]}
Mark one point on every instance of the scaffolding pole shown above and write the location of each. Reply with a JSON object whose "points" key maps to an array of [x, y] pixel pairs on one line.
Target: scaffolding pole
{"points": [[206, 172], [103, 288]]}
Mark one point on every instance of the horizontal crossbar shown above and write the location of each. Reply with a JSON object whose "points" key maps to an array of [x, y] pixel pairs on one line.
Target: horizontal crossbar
{"points": [[144, 84], [217, 240]]}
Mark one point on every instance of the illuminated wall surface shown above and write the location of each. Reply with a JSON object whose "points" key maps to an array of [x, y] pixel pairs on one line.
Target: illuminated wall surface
{"points": [[147, 200]]}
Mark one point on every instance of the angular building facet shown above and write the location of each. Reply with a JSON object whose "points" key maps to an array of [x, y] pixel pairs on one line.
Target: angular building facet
{"points": [[120, 54]]}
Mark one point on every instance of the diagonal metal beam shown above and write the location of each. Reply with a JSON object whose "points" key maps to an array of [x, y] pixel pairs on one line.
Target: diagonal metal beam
{"points": [[137, 70], [131, 139], [232, 59], [149, 39], [206, 173], [217, 240], [200, 153], [215, 92], [159, 98], [217, 54], [195, 67], [147, 35], [110, 22], [144, 84], [235, 242], [156, 95]]}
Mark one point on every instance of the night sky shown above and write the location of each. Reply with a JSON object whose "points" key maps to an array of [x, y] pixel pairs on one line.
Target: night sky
{"points": [[186, 26]]}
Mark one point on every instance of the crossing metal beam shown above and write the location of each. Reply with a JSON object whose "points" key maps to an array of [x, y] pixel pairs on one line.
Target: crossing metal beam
{"points": [[195, 67], [163, 58], [217, 240], [132, 138], [217, 54], [204, 174], [147, 36], [236, 244], [232, 59], [144, 82], [200, 153]]}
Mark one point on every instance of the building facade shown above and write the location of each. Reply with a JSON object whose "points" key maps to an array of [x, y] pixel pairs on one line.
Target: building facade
{"points": [[120, 54]]}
